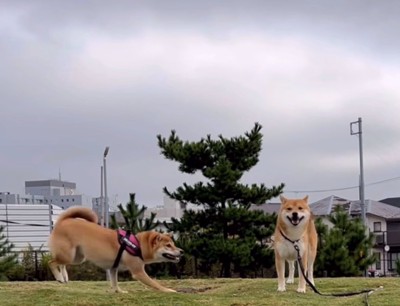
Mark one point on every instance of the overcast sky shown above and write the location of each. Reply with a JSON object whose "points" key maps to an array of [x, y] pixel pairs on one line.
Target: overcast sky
{"points": [[77, 76]]}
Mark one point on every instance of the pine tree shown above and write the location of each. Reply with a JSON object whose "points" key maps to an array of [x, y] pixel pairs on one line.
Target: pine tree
{"points": [[7, 259], [344, 249], [322, 230], [225, 231], [134, 217]]}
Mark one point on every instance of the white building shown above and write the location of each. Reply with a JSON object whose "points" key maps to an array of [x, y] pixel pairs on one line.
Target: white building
{"points": [[170, 209], [28, 224], [29, 218]]}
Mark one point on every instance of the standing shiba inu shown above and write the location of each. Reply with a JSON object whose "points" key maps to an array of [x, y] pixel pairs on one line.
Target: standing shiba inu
{"points": [[295, 225], [77, 237]]}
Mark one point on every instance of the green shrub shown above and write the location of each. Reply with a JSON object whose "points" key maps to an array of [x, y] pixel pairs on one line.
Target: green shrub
{"points": [[398, 266]]}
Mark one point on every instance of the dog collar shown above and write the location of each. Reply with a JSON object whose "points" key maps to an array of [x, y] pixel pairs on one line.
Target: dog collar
{"points": [[288, 239]]}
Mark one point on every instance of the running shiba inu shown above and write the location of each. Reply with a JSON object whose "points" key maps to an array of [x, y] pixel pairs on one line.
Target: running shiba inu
{"points": [[295, 226], [77, 237]]}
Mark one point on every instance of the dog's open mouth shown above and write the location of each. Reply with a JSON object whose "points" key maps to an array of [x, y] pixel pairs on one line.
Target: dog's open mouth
{"points": [[295, 221], [171, 257]]}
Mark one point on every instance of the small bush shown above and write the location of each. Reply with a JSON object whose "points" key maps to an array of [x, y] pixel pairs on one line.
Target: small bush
{"points": [[398, 266]]}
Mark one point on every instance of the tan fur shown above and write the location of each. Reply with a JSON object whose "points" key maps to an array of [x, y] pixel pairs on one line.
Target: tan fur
{"points": [[295, 221], [77, 237]]}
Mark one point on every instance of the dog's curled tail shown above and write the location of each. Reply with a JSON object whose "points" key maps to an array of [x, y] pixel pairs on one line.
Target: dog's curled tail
{"points": [[78, 212]]}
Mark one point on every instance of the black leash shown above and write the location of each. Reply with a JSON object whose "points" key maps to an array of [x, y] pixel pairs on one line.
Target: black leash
{"points": [[296, 247], [367, 292]]}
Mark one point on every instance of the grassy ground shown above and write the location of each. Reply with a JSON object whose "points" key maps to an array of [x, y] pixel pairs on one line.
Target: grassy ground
{"points": [[210, 292]]}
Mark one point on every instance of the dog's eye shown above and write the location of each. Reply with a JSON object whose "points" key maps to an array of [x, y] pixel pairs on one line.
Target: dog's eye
{"points": [[169, 245], [289, 208], [300, 208]]}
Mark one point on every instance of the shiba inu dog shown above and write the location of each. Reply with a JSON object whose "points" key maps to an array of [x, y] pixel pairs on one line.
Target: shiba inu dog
{"points": [[77, 237], [295, 226]]}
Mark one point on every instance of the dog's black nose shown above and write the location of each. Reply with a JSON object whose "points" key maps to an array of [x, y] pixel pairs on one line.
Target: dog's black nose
{"points": [[295, 216], [181, 252]]}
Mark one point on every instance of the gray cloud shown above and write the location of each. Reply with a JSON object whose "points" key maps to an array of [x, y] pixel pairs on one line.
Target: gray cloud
{"points": [[79, 76]]}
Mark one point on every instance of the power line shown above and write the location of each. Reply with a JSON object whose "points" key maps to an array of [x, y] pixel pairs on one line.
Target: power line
{"points": [[343, 188]]}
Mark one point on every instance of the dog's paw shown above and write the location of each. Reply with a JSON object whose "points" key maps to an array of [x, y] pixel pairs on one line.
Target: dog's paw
{"points": [[290, 281], [118, 290], [169, 290], [282, 289], [301, 290]]}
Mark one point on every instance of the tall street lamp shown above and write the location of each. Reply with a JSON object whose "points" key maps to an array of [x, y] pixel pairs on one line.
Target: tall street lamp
{"points": [[102, 210], [106, 206]]}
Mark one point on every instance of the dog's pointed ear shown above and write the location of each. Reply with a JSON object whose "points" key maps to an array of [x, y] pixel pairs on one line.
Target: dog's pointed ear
{"points": [[155, 237], [305, 198], [283, 199], [170, 234]]}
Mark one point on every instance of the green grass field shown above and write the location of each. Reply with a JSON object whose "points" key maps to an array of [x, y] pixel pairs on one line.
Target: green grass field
{"points": [[231, 292]]}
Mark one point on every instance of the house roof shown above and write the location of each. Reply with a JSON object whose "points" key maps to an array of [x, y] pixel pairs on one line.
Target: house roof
{"points": [[392, 201], [269, 208], [327, 206], [379, 209]]}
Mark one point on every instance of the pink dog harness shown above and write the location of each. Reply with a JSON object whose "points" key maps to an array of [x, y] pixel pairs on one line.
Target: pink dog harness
{"points": [[128, 242]]}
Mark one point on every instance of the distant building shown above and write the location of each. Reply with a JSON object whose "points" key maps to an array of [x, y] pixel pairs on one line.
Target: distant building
{"points": [[392, 201], [29, 218], [10, 198], [382, 219], [28, 224], [97, 206], [269, 208], [170, 209], [58, 192], [55, 192], [50, 188]]}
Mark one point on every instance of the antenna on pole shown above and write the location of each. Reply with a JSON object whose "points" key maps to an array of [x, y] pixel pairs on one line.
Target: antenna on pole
{"points": [[362, 186]]}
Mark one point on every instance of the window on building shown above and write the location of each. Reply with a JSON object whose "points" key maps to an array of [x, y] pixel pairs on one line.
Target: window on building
{"points": [[67, 200], [62, 200], [377, 227], [378, 260], [393, 257], [73, 200]]}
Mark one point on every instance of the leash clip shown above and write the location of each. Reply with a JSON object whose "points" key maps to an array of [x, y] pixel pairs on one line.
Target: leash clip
{"points": [[297, 248]]}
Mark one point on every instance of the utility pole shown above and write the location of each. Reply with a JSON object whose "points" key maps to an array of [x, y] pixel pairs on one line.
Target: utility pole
{"points": [[362, 189], [106, 203]]}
